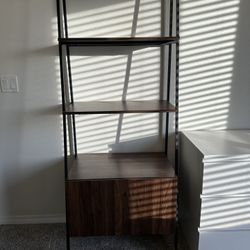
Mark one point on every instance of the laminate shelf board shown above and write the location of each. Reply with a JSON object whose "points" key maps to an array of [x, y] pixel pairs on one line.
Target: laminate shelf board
{"points": [[116, 107], [120, 166], [118, 41]]}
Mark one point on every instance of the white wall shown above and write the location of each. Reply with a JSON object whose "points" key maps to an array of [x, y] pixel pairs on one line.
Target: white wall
{"points": [[214, 64], [31, 170], [116, 73], [239, 116]]}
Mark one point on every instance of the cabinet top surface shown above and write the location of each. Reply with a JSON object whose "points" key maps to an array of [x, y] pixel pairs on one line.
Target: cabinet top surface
{"points": [[121, 166], [227, 145]]}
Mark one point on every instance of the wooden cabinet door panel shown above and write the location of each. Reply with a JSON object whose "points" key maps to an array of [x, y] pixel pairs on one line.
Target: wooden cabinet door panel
{"points": [[120, 207]]}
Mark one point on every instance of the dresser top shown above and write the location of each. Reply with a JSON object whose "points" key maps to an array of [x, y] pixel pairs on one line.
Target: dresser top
{"points": [[228, 145]]}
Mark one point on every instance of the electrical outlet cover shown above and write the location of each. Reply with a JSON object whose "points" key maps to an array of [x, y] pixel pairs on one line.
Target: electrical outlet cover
{"points": [[9, 84]]}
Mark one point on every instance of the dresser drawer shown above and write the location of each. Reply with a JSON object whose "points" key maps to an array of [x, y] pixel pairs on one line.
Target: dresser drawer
{"points": [[224, 240], [226, 178], [224, 212]]}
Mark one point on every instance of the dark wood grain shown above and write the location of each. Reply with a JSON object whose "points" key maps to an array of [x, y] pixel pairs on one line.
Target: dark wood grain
{"points": [[116, 107], [118, 41], [120, 166], [145, 206], [120, 207], [90, 207]]}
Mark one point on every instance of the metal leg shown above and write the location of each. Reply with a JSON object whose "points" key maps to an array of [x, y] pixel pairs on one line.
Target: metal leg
{"points": [[67, 224], [67, 239], [176, 238]]}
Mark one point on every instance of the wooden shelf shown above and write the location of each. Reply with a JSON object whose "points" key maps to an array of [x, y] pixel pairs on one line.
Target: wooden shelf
{"points": [[120, 166], [116, 107], [118, 41]]}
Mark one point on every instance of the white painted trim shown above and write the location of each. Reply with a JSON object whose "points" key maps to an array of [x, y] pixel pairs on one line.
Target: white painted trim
{"points": [[33, 219]]}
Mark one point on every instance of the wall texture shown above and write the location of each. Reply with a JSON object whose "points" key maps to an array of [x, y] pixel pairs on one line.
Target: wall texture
{"points": [[31, 170], [214, 88], [214, 59]]}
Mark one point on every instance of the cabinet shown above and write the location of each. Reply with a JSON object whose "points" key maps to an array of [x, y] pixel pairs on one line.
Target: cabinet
{"points": [[215, 189], [118, 193], [121, 207]]}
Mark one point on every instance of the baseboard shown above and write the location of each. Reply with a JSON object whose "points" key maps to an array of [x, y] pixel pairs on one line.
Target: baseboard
{"points": [[33, 219]]}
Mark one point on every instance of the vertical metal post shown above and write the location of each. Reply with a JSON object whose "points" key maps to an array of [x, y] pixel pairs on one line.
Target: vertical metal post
{"points": [[71, 97], [59, 23], [69, 73], [62, 86], [169, 71], [170, 49], [177, 9], [177, 86], [65, 18]]}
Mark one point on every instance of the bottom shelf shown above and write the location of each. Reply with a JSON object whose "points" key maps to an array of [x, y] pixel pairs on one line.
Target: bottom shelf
{"points": [[120, 166]]}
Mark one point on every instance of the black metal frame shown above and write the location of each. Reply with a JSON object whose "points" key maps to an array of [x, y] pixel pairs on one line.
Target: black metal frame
{"points": [[169, 71], [63, 110], [177, 46], [65, 55]]}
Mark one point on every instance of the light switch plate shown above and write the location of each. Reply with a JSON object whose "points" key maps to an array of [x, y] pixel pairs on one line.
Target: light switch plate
{"points": [[9, 84]]}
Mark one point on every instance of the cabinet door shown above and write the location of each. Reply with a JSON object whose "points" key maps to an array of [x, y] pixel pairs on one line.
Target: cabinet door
{"points": [[145, 206], [115, 207], [90, 208]]}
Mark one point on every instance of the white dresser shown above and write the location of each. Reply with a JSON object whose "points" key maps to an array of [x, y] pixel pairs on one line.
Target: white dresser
{"points": [[214, 182]]}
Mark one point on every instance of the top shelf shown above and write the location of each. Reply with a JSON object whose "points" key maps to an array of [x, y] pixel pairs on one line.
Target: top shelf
{"points": [[118, 41], [117, 107]]}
